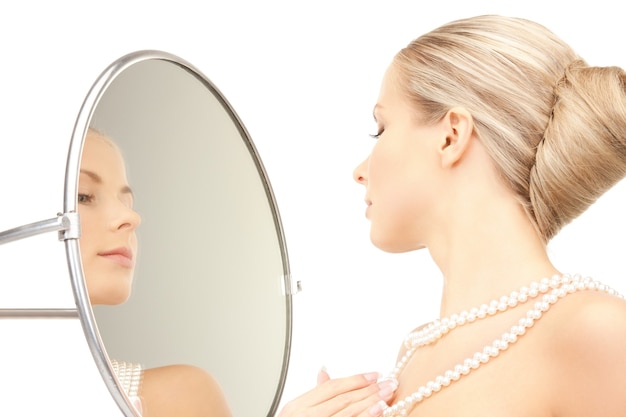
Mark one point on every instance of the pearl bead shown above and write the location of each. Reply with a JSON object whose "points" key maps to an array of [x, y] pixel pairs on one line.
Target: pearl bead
{"points": [[433, 386], [525, 322], [445, 381]]}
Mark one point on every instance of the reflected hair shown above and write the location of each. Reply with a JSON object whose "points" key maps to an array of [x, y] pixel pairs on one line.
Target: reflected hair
{"points": [[554, 127], [100, 134]]}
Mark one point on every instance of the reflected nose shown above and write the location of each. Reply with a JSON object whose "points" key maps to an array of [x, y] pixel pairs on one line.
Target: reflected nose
{"points": [[127, 218], [360, 172]]}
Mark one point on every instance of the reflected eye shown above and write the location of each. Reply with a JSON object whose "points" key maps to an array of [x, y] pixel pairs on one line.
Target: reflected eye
{"points": [[377, 135], [85, 198]]}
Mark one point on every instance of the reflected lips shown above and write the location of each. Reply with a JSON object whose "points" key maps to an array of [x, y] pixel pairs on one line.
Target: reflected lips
{"points": [[121, 256]]}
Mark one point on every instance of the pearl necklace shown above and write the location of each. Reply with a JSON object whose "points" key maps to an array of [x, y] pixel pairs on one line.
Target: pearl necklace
{"points": [[129, 375], [551, 290]]}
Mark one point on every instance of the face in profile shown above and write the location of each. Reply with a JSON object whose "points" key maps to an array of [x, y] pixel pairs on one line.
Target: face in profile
{"points": [[400, 174], [108, 242]]}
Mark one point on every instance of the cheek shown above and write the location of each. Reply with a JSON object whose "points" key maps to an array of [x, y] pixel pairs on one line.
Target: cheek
{"points": [[391, 172], [86, 229], [134, 243], [383, 165], [402, 192]]}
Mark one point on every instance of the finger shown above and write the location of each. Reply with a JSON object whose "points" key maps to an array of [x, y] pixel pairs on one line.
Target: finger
{"points": [[322, 376], [358, 402], [367, 401], [333, 388], [374, 405]]}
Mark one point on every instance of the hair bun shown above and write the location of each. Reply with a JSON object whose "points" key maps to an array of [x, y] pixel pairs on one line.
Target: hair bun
{"points": [[583, 151]]}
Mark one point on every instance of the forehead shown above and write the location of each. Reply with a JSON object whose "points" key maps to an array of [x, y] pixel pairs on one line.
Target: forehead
{"points": [[390, 94], [103, 157], [390, 87]]}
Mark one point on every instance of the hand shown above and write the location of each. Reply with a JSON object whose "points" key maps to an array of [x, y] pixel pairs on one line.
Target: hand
{"points": [[358, 395]]}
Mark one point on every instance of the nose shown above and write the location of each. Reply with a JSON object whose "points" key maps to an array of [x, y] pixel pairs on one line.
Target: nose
{"points": [[360, 172], [126, 218]]}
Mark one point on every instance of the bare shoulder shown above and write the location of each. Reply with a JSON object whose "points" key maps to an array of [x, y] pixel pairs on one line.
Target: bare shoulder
{"points": [[182, 390], [596, 323], [588, 344]]}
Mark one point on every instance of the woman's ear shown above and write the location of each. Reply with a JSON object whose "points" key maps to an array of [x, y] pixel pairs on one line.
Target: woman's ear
{"points": [[458, 126]]}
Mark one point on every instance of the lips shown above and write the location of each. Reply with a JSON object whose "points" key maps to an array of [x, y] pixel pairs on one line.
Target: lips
{"points": [[120, 256], [368, 204]]}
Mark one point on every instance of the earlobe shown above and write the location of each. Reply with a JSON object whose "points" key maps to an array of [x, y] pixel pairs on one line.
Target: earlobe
{"points": [[458, 129]]}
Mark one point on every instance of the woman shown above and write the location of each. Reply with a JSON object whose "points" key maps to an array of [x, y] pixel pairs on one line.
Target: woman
{"points": [[492, 135], [108, 247]]}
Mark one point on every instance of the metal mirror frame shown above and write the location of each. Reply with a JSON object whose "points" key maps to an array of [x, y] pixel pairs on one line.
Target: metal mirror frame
{"points": [[70, 206]]}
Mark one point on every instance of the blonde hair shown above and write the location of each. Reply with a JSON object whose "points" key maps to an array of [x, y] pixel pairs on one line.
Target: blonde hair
{"points": [[93, 132], [554, 127]]}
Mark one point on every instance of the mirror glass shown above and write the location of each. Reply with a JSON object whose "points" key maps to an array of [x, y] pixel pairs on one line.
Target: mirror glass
{"points": [[211, 286]]}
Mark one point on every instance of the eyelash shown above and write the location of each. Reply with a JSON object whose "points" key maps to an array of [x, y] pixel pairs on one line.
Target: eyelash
{"points": [[377, 135], [88, 198]]}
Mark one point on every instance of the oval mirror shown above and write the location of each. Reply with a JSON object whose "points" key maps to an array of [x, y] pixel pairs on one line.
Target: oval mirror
{"points": [[211, 286]]}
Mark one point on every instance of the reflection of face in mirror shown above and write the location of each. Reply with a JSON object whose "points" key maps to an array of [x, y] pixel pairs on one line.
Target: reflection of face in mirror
{"points": [[192, 292], [108, 247], [108, 243]]}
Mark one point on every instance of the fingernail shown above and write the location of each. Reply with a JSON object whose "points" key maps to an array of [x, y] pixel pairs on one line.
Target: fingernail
{"points": [[322, 375], [136, 401], [387, 387], [390, 379], [386, 390], [377, 409], [372, 376]]}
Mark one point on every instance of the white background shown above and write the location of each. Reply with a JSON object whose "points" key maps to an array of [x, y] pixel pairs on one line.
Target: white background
{"points": [[303, 77]]}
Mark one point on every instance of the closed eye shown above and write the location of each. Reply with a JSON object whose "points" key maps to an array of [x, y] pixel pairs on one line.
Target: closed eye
{"points": [[377, 135], [85, 198]]}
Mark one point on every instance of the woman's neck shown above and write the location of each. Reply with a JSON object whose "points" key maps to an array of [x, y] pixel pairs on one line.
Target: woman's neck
{"points": [[487, 252]]}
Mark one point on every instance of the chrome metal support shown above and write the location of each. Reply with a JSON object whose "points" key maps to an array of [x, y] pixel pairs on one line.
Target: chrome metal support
{"points": [[67, 224], [38, 313]]}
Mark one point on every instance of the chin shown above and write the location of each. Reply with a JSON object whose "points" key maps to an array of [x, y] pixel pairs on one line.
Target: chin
{"points": [[109, 296], [391, 245], [386, 246]]}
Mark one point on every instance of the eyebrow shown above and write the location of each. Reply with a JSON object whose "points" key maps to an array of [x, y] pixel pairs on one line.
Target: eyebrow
{"points": [[98, 180]]}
